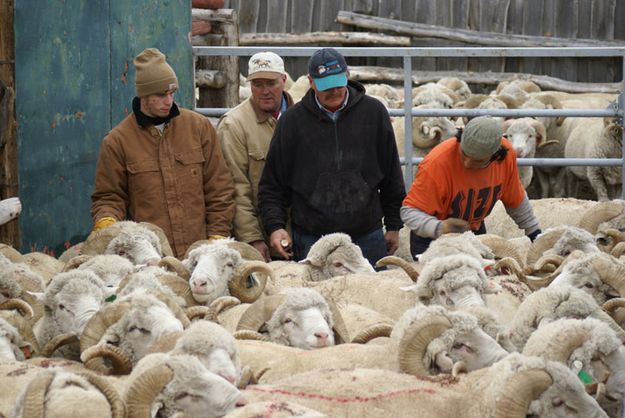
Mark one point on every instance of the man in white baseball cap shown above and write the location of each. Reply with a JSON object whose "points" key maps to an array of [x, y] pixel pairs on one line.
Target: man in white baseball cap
{"points": [[245, 133]]}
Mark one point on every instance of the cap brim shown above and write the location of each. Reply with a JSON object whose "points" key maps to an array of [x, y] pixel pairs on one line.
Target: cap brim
{"points": [[331, 81], [265, 75]]}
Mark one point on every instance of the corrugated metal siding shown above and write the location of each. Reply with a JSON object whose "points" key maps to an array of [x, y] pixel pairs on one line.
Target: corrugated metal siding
{"points": [[594, 19], [74, 81]]}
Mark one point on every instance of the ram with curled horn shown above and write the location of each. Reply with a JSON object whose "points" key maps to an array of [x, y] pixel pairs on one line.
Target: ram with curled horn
{"points": [[121, 333], [178, 385], [589, 345], [58, 393], [298, 317], [140, 242], [219, 270]]}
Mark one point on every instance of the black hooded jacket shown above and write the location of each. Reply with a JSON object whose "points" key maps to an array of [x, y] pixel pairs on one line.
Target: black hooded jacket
{"points": [[335, 176]]}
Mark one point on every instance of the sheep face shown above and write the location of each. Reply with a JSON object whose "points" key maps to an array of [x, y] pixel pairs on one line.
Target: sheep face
{"points": [[572, 239], [75, 303], [148, 320], [566, 397], [223, 363], [212, 267], [610, 369], [523, 137], [195, 391], [306, 329], [335, 255], [214, 346], [454, 282], [476, 349], [581, 274], [110, 268], [11, 343], [208, 395], [139, 245]]}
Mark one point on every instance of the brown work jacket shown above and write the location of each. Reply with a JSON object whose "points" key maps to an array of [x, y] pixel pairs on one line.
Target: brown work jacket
{"points": [[177, 179]]}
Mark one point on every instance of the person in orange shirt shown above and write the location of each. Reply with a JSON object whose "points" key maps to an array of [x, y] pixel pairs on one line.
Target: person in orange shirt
{"points": [[460, 180]]}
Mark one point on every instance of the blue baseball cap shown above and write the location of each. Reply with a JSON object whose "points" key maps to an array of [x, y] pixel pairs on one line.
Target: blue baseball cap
{"points": [[328, 69]]}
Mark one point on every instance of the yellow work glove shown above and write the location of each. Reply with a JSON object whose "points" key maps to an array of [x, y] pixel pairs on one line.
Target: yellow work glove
{"points": [[103, 223], [215, 236]]}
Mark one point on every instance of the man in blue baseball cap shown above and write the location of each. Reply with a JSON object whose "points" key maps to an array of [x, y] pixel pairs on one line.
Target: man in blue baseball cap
{"points": [[333, 165]]}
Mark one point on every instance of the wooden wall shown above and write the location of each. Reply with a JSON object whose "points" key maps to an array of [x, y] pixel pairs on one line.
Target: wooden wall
{"points": [[594, 19]]}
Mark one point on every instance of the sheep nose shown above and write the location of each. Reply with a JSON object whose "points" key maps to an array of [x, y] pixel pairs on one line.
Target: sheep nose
{"points": [[154, 261], [322, 337], [228, 377]]}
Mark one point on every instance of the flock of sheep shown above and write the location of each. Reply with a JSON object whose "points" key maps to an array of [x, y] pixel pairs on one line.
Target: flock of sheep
{"points": [[479, 326], [539, 137]]}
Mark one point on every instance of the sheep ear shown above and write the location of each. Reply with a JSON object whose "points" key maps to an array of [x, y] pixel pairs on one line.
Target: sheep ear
{"points": [[187, 263], [39, 296], [493, 287], [410, 288], [312, 262]]}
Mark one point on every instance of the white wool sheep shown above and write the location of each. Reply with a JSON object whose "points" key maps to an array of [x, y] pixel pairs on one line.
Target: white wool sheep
{"points": [[11, 342], [427, 131], [426, 340], [454, 281], [526, 135], [458, 86], [70, 300], [297, 317], [515, 386], [166, 385], [589, 345], [299, 88], [552, 303], [466, 243], [127, 328], [218, 270], [57, 393], [213, 346]]}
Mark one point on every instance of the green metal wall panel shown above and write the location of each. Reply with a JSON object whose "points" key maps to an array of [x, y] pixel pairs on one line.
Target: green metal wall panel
{"points": [[72, 86]]}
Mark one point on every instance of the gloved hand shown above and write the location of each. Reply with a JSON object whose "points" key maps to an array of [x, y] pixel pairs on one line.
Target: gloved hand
{"points": [[9, 209], [103, 223], [453, 225]]}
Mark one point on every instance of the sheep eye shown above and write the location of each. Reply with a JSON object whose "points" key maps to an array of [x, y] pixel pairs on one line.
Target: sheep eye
{"points": [[121, 253], [566, 252], [589, 285], [181, 395], [288, 321], [61, 306], [457, 346], [442, 293], [557, 402], [229, 264], [337, 264], [141, 330]]}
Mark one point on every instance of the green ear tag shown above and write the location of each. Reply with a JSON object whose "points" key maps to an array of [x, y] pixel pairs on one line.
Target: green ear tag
{"points": [[584, 377], [110, 298]]}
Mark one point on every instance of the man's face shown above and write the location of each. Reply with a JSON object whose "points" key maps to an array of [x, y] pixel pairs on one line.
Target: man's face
{"points": [[474, 163], [267, 94], [331, 98], [157, 105]]}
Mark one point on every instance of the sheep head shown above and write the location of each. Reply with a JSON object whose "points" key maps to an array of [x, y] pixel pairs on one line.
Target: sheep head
{"points": [[214, 347], [179, 384], [335, 255], [218, 270], [454, 281]]}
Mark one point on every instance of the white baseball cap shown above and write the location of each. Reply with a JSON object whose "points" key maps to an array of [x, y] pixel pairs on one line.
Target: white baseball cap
{"points": [[265, 65]]}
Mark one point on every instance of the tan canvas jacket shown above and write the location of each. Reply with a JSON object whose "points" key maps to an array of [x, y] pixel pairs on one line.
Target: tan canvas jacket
{"points": [[176, 179], [245, 133]]}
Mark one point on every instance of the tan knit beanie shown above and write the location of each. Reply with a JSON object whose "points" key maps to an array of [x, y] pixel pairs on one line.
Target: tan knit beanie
{"points": [[153, 75], [481, 137]]}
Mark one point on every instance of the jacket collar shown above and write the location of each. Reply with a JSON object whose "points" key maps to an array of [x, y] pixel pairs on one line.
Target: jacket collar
{"points": [[144, 120]]}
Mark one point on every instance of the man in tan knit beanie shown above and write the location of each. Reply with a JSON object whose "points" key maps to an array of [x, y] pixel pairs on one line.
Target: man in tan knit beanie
{"points": [[163, 164]]}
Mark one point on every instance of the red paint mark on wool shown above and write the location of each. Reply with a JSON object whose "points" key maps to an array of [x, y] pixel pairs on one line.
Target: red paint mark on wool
{"points": [[355, 399]]}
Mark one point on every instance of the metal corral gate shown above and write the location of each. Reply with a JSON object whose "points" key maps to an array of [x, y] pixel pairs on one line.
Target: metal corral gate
{"points": [[408, 53]]}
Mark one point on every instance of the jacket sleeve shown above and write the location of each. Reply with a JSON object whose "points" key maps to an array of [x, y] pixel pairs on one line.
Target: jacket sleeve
{"points": [[110, 194], [218, 185], [232, 139], [273, 189], [392, 189]]}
